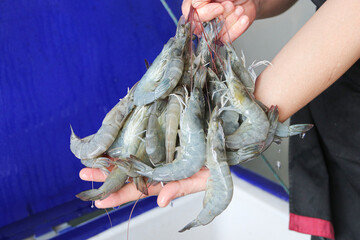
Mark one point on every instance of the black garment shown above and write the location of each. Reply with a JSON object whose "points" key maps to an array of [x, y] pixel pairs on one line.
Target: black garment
{"points": [[324, 167]]}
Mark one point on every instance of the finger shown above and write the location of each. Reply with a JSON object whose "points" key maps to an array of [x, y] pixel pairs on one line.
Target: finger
{"points": [[126, 194], [232, 19], [185, 8], [92, 174], [209, 11], [229, 7], [236, 30], [172, 190]]}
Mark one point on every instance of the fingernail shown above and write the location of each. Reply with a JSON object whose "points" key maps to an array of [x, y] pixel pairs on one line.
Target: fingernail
{"points": [[244, 20], [162, 202], [98, 203], [239, 10], [83, 176]]}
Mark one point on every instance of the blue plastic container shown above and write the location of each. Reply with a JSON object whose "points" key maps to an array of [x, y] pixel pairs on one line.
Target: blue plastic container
{"points": [[63, 62]]}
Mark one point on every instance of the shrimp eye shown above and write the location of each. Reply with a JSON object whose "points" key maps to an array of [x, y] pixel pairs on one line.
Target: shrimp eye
{"points": [[177, 52]]}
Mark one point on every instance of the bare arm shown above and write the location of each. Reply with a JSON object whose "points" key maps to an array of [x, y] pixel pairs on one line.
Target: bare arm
{"points": [[325, 47]]}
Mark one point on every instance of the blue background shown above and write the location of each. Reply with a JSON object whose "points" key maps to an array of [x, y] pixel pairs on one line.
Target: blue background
{"points": [[64, 62]]}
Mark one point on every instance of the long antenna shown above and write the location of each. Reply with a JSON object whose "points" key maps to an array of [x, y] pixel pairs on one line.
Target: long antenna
{"points": [[170, 12]]}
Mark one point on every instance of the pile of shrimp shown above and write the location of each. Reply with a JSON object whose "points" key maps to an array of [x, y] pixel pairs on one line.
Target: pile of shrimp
{"points": [[193, 107]]}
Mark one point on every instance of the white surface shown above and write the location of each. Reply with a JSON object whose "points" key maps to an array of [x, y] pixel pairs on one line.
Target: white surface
{"points": [[253, 214]]}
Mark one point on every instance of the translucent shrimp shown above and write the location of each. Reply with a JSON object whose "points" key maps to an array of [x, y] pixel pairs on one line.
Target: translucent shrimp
{"points": [[191, 154], [172, 121], [251, 151], [165, 72], [255, 126], [128, 141], [155, 138], [219, 187], [96, 144]]}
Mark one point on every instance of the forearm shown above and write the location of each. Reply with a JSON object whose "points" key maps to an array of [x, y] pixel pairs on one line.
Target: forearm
{"points": [[327, 46], [270, 8]]}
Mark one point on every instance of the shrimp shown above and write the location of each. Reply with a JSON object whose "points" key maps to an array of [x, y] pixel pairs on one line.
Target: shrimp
{"points": [[219, 187], [96, 144], [113, 183], [206, 45], [251, 151], [172, 121], [128, 141], [231, 119], [239, 68], [190, 67], [155, 139], [165, 72], [255, 126], [191, 154]]}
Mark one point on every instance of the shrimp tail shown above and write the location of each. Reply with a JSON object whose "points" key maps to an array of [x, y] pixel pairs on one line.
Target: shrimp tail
{"points": [[244, 154], [284, 131], [140, 184], [190, 225], [91, 195]]}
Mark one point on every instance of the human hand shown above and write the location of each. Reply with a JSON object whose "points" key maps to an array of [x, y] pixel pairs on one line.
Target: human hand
{"points": [[238, 15], [166, 193]]}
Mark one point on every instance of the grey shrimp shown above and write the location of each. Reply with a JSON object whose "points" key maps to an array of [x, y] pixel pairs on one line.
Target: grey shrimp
{"points": [[251, 151], [128, 141], [97, 144], [231, 119], [191, 154], [255, 126], [219, 187], [165, 72], [155, 138], [172, 121]]}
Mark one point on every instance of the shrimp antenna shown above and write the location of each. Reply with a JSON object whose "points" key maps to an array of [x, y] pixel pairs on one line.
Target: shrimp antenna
{"points": [[169, 11], [107, 213], [132, 210]]}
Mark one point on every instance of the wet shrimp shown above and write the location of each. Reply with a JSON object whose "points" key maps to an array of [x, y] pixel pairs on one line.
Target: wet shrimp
{"points": [[255, 126], [128, 141], [191, 154], [97, 144], [219, 186], [155, 138], [172, 121], [165, 72]]}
